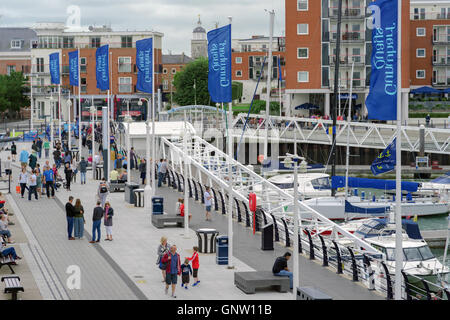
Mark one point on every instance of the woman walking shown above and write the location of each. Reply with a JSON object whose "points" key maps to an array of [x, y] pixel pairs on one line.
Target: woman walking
{"points": [[108, 221], [78, 219], [23, 179], [163, 248]]}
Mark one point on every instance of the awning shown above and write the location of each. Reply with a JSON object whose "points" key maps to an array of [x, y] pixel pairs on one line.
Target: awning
{"points": [[425, 90]]}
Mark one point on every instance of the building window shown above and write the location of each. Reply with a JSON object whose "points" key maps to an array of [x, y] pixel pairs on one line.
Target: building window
{"points": [[174, 70], [302, 28], [34, 44], [303, 76], [127, 42], [420, 74], [302, 53], [39, 64], [165, 71], [10, 69], [302, 5], [16, 44], [125, 84], [239, 73], [238, 60], [82, 64], [165, 84], [95, 42], [420, 53], [124, 64], [420, 32], [68, 42], [83, 85]]}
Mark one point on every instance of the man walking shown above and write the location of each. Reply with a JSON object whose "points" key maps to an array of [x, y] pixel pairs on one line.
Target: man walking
{"points": [[173, 269], [46, 148], [96, 222], [39, 147], [83, 169], [103, 191], [32, 182], [69, 216], [281, 269], [163, 171], [49, 179], [208, 203]]}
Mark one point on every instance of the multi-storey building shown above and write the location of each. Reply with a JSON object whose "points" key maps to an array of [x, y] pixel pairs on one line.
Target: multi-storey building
{"points": [[54, 37], [15, 49], [199, 42], [171, 64], [430, 43], [311, 36], [247, 58]]}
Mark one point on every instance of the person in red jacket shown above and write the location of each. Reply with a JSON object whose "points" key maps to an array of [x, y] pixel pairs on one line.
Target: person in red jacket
{"points": [[182, 210], [195, 266], [173, 268]]}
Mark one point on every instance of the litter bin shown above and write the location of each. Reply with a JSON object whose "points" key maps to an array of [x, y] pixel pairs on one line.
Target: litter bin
{"points": [[310, 293], [206, 236], [157, 205], [222, 250], [129, 194], [267, 237], [98, 172]]}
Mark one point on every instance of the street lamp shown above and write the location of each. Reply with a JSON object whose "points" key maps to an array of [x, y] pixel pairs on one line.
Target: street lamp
{"points": [[51, 125], [92, 111], [149, 191], [128, 121], [288, 162], [69, 144]]}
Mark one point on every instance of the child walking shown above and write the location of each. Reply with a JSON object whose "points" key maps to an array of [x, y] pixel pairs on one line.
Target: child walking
{"points": [[195, 266], [185, 271]]}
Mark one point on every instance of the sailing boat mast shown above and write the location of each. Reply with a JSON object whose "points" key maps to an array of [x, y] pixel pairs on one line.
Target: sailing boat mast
{"points": [[336, 98]]}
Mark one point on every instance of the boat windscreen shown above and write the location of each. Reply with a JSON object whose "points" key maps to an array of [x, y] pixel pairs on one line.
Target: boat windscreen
{"points": [[321, 183], [426, 253]]}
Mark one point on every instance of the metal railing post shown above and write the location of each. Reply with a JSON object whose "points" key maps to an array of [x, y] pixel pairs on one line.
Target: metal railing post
{"points": [[275, 225], [324, 252], [354, 266], [407, 286], [390, 294], [288, 242], [311, 245], [247, 215], [338, 257]]}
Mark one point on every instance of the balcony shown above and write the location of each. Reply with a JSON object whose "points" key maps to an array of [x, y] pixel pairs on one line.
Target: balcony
{"points": [[349, 37], [441, 60], [347, 60], [430, 16], [350, 13], [441, 38]]}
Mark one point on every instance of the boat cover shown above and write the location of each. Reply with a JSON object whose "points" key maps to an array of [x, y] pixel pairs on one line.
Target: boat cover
{"points": [[349, 208], [372, 228], [339, 182], [445, 179]]}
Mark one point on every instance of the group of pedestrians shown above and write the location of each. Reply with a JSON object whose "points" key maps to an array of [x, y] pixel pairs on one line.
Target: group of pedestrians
{"points": [[169, 262], [75, 215]]}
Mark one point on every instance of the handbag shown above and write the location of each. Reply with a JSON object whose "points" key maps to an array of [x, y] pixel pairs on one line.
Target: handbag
{"points": [[17, 189]]}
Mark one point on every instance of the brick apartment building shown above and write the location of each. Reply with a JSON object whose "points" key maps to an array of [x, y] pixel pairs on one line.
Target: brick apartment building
{"points": [[53, 37], [311, 34], [171, 64]]}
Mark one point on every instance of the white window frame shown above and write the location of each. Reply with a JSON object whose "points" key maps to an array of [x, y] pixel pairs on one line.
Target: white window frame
{"points": [[307, 53], [165, 71], [298, 29], [424, 53], [119, 64], [238, 60], [307, 76], [424, 32], [16, 44], [237, 75], [302, 1], [173, 70], [123, 84], [424, 74]]}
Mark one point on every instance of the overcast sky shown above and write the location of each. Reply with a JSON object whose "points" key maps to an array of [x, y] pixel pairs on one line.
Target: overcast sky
{"points": [[175, 18]]}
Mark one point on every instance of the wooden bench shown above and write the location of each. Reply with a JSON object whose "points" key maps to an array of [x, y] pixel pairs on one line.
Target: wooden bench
{"points": [[159, 220], [117, 186], [12, 285], [249, 281]]}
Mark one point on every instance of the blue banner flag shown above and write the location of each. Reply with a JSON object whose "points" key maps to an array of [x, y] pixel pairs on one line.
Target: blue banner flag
{"points": [[280, 77], [382, 99], [144, 55], [102, 67], [54, 68], [73, 68], [219, 53], [386, 160]]}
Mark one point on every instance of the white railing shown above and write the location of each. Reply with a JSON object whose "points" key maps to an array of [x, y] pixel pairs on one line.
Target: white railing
{"points": [[362, 134]]}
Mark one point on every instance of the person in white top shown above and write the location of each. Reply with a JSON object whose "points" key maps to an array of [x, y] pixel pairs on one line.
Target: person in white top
{"points": [[23, 179], [32, 182], [8, 166], [208, 203]]}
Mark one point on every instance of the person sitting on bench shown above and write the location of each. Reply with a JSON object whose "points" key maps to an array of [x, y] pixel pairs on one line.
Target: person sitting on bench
{"points": [[10, 251], [281, 269], [123, 177], [4, 228], [114, 175]]}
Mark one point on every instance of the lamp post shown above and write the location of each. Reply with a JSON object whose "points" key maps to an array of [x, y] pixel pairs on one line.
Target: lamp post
{"points": [[92, 111], [148, 190], [69, 143], [51, 124], [128, 121]]}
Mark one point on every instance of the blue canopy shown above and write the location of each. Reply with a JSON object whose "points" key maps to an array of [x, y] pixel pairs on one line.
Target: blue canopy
{"points": [[308, 106], [349, 208], [339, 182], [446, 90], [425, 90], [445, 179]]}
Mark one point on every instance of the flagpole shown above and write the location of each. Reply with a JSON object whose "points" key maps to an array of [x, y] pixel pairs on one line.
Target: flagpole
{"points": [[79, 106], [398, 175], [108, 157], [230, 180], [347, 158], [153, 175], [59, 111], [280, 79]]}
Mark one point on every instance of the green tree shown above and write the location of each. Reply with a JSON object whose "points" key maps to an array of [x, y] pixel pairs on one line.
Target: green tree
{"points": [[12, 89], [183, 81], [237, 90]]}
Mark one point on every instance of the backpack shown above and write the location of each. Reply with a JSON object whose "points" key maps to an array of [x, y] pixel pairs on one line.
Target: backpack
{"points": [[103, 188]]}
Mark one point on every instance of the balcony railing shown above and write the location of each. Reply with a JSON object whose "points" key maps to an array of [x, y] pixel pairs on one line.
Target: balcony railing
{"points": [[430, 16], [348, 13], [441, 60], [441, 38], [349, 36], [345, 83], [349, 59]]}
